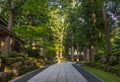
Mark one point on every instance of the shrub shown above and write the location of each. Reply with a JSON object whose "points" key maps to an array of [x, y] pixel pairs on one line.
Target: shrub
{"points": [[14, 54], [33, 53], [112, 69], [19, 63], [5, 76], [113, 60], [104, 59]]}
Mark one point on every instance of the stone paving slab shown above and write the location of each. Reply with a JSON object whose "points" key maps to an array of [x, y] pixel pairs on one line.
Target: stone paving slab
{"points": [[60, 72], [78, 76], [42, 76], [62, 75]]}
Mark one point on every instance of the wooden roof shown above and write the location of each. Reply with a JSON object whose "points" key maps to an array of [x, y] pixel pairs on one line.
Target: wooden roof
{"points": [[2, 21], [5, 32], [3, 29]]}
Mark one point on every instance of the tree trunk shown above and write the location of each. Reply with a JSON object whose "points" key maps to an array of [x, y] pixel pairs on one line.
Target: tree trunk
{"points": [[9, 27], [107, 30], [58, 55], [95, 52], [61, 41], [85, 53], [91, 54], [61, 54], [30, 43], [0, 47], [66, 53], [77, 53], [88, 55], [72, 53]]}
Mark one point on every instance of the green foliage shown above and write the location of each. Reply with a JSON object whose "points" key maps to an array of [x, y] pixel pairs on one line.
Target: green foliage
{"points": [[47, 29], [14, 54], [105, 76], [113, 60], [20, 64], [83, 29], [33, 53], [112, 69]]}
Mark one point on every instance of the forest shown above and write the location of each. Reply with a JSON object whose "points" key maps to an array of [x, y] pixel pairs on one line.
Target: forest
{"points": [[43, 32]]}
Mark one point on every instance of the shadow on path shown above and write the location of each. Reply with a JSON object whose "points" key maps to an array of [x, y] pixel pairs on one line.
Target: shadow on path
{"points": [[30, 75], [89, 77]]}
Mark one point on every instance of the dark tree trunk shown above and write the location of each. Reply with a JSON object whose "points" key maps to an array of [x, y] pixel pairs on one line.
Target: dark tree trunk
{"points": [[72, 53], [77, 53], [30, 43], [66, 53], [91, 53], [107, 30], [9, 27], [88, 54], [0, 47], [85, 53]]}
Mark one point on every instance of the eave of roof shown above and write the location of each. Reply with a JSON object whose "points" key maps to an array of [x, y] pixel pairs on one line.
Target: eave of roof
{"points": [[2, 20], [6, 31]]}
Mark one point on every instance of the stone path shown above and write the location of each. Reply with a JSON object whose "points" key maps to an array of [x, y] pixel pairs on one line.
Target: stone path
{"points": [[61, 72]]}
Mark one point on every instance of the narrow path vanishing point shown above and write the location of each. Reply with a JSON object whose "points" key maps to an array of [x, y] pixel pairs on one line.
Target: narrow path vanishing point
{"points": [[60, 72]]}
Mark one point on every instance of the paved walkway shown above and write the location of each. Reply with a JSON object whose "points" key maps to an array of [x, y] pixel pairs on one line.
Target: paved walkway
{"points": [[61, 72]]}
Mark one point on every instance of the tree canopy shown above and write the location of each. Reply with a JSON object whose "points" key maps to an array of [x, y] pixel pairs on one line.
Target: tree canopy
{"points": [[63, 27]]}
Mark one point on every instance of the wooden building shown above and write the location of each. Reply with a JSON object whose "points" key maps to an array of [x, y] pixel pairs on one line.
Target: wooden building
{"points": [[16, 43]]}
